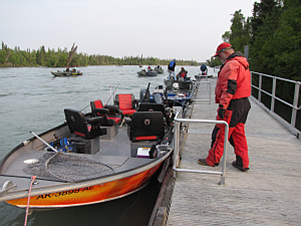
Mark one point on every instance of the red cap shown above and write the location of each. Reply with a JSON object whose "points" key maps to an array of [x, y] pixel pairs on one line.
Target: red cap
{"points": [[222, 47]]}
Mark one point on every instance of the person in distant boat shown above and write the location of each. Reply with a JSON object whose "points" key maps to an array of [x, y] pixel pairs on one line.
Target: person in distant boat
{"points": [[233, 87], [171, 69], [204, 69], [149, 69], [67, 69], [182, 75], [74, 68], [142, 68]]}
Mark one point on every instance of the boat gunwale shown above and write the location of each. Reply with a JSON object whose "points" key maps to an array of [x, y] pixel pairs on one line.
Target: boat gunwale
{"points": [[64, 186], [66, 74], [82, 184], [4, 158]]}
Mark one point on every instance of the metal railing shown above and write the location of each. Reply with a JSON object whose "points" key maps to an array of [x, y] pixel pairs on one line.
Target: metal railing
{"points": [[273, 96], [176, 153]]}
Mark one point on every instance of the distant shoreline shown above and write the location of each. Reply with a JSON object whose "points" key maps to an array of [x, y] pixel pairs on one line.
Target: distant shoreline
{"points": [[3, 66]]}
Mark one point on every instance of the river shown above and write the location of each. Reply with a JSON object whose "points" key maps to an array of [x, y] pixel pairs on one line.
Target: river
{"points": [[32, 99]]}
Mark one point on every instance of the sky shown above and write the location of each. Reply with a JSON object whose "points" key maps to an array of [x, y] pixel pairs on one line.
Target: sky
{"points": [[166, 29]]}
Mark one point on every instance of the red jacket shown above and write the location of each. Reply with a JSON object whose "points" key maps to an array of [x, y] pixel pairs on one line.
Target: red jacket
{"points": [[234, 80]]}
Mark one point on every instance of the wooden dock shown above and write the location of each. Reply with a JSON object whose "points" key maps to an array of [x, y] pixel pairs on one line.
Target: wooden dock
{"points": [[268, 194]]}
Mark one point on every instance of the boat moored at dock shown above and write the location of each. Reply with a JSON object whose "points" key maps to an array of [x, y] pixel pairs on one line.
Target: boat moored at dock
{"points": [[91, 158]]}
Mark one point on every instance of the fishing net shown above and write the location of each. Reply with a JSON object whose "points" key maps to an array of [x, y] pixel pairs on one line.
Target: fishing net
{"points": [[67, 167]]}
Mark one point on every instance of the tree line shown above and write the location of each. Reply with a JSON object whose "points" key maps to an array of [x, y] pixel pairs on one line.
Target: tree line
{"points": [[273, 34], [59, 58]]}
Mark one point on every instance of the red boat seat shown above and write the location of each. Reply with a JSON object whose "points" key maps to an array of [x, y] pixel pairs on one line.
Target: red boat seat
{"points": [[111, 114], [126, 103]]}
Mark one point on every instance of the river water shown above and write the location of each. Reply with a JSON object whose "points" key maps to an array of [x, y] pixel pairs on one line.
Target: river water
{"points": [[32, 99]]}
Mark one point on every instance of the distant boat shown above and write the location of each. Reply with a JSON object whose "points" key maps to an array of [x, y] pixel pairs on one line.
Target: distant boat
{"points": [[66, 74], [199, 77], [159, 70], [69, 73], [147, 73]]}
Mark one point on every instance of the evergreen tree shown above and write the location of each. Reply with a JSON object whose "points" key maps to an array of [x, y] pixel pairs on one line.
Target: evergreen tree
{"points": [[264, 23], [226, 36], [240, 31], [214, 61], [59, 58], [286, 41]]}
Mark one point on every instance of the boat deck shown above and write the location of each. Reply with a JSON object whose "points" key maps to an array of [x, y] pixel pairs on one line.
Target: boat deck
{"points": [[268, 194], [114, 156]]}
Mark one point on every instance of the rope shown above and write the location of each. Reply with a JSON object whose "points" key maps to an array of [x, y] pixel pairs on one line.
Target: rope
{"points": [[32, 180]]}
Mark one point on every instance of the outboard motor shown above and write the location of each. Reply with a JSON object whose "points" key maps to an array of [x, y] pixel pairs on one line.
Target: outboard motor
{"points": [[142, 94], [145, 95]]}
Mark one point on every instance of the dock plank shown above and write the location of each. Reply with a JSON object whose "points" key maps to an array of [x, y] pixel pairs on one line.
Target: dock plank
{"points": [[268, 194]]}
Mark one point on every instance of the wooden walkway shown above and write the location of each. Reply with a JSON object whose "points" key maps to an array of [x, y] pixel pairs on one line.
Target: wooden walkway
{"points": [[268, 194]]}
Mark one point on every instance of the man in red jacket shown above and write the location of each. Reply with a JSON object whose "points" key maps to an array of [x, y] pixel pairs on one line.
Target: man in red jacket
{"points": [[233, 87]]}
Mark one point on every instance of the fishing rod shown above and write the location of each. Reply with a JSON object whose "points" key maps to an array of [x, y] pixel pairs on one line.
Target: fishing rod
{"points": [[85, 107], [113, 92], [108, 99], [52, 148]]}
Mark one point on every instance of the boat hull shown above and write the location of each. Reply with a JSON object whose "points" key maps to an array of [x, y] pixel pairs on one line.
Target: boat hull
{"points": [[159, 71], [88, 195], [199, 77], [130, 174], [66, 74], [147, 74]]}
